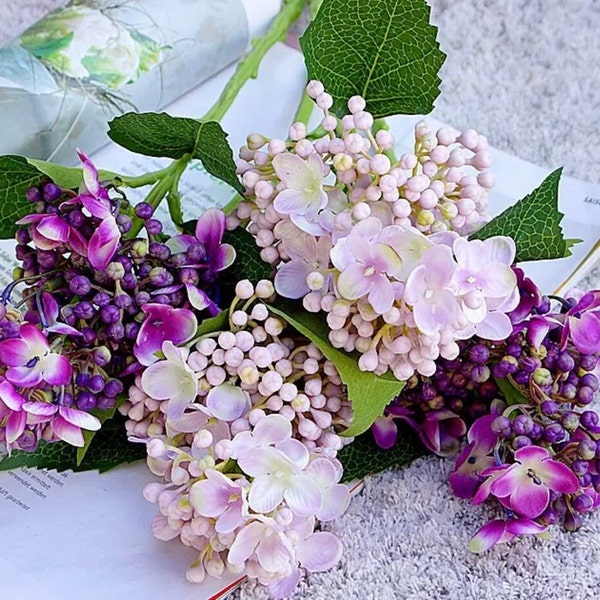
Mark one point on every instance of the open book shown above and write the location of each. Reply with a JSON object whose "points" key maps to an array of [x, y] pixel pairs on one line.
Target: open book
{"points": [[86, 535]]}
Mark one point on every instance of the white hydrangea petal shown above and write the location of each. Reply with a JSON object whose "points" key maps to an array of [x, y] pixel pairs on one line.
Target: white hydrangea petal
{"points": [[319, 552]]}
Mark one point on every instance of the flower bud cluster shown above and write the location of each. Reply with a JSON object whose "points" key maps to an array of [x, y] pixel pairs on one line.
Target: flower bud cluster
{"points": [[374, 242], [243, 426]]}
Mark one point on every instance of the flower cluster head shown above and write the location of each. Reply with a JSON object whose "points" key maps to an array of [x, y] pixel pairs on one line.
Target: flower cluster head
{"points": [[244, 425], [376, 242], [98, 302]]}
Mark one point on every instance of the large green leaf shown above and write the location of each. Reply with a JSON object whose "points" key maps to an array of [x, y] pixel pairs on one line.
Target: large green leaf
{"points": [[109, 450], [383, 50], [160, 134], [369, 393], [364, 457], [533, 223], [16, 177], [248, 263], [66, 177]]}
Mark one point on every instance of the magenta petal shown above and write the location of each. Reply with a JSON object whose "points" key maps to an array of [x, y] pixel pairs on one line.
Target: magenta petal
{"points": [[557, 476], [180, 243], [530, 499], [50, 306], [210, 228], [385, 432], [481, 433], [78, 242], [585, 333], [524, 527], [90, 174], [487, 536], [98, 207], [15, 425], [53, 228], [224, 257], [103, 243], [24, 376], [14, 352], [10, 397], [57, 369], [67, 432], [40, 409], [79, 418]]}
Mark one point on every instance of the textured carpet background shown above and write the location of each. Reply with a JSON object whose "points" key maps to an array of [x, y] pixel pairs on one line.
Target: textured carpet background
{"points": [[527, 74]]}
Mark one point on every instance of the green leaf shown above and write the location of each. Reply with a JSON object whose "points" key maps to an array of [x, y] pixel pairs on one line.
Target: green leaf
{"points": [[88, 436], [160, 134], [364, 457], [216, 323], [248, 264], [16, 177], [512, 394], [66, 177], [533, 223], [383, 50], [110, 449], [369, 393]]}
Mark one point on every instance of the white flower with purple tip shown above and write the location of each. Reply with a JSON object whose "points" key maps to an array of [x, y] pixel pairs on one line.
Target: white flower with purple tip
{"points": [[162, 323], [172, 380], [31, 361], [366, 266], [11, 408], [303, 194], [222, 499], [498, 531]]}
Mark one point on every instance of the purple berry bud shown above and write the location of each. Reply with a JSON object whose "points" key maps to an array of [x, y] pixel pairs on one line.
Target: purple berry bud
{"points": [[580, 467], [129, 282], [196, 253], [529, 364], [522, 424], [520, 442], [178, 260], [514, 349], [105, 403], [589, 380], [501, 424], [572, 521], [589, 419], [586, 449], [479, 354], [101, 299], [113, 388], [480, 373], [76, 218], [123, 301], [554, 433], [47, 258], [549, 517], [131, 330], [459, 380], [125, 261], [80, 285], [542, 377], [154, 226], [33, 194], [116, 331], [144, 270], [110, 314], [22, 236], [142, 298], [124, 223], [89, 335], [161, 299], [570, 420], [568, 391], [102, 356], [159, 276], [84, 310], [588, 362], [585, 395], [51, 192], [85, 401], [189, 275], [565, 362], [488, 390], [82, 379], [144, 211], [159, 251], [536, 432], [521, 377], [582, 503], [96, 384]]}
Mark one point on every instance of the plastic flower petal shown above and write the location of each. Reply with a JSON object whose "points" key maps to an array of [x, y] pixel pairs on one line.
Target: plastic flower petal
{"points": [[162, 322], [319, 552], [498, 531], [227, 402], [103, 243], [582, 324]]}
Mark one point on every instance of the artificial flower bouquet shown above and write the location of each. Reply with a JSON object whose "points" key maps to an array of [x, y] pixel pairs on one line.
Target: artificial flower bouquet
{"points": [[352, 307]]}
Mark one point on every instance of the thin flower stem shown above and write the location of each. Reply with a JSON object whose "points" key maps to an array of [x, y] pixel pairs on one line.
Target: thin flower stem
{"points": [[378, 125], [304, 110], [142, 180], [248, 66]]}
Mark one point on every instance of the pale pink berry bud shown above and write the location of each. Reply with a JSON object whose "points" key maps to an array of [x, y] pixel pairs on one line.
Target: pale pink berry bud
{"points": [[261, 356], [239, 318], [304, 148], [457, 158], [418, 183], [259, 312], [270, 255], [437, 187], [244, 340], [313, 386], [428, 199], [338, 337], [465, 206], [337, 145], [195, 574], [385, 140], [312, 302], [408, 162], [439, 155], [226, 340], [206, 346], [361, 210], [244, 289], [284, 517], [261, 158], [256, 415], [274, 403], [311, 366], [203, 439], [223, 449], [284, 367], [347, 122], [218, 356], [321, 418], [425, 218], [329, 123], [301, 403], [363, 166], [287, 412], [354, 143], [449, 210], [179, 476], [426, 367], [486, 180], [356, 104], [334, 404], [469, 139], [318, 401], [264, 189], [342, 161], [380, 164], [363, 120], [481, 160], [215, 566], [273, 326], [271, 382], [298, 131], [314, 88], [324, 101], [309, 429], [215, 375], [255, 141], [368, 361], [401, 208], [315, 280], [288, 392], [388, 183], [276, 146], [155, 448], [373, 193], [248, 374]]}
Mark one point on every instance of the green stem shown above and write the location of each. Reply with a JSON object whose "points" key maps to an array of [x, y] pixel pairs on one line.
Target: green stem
{"points": [[165, 185], [142, 180], [248, 66], [378, 125], [304, 110]]}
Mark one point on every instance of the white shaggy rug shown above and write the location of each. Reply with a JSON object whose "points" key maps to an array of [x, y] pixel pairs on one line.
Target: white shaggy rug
{"points": [[527, 74]]}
